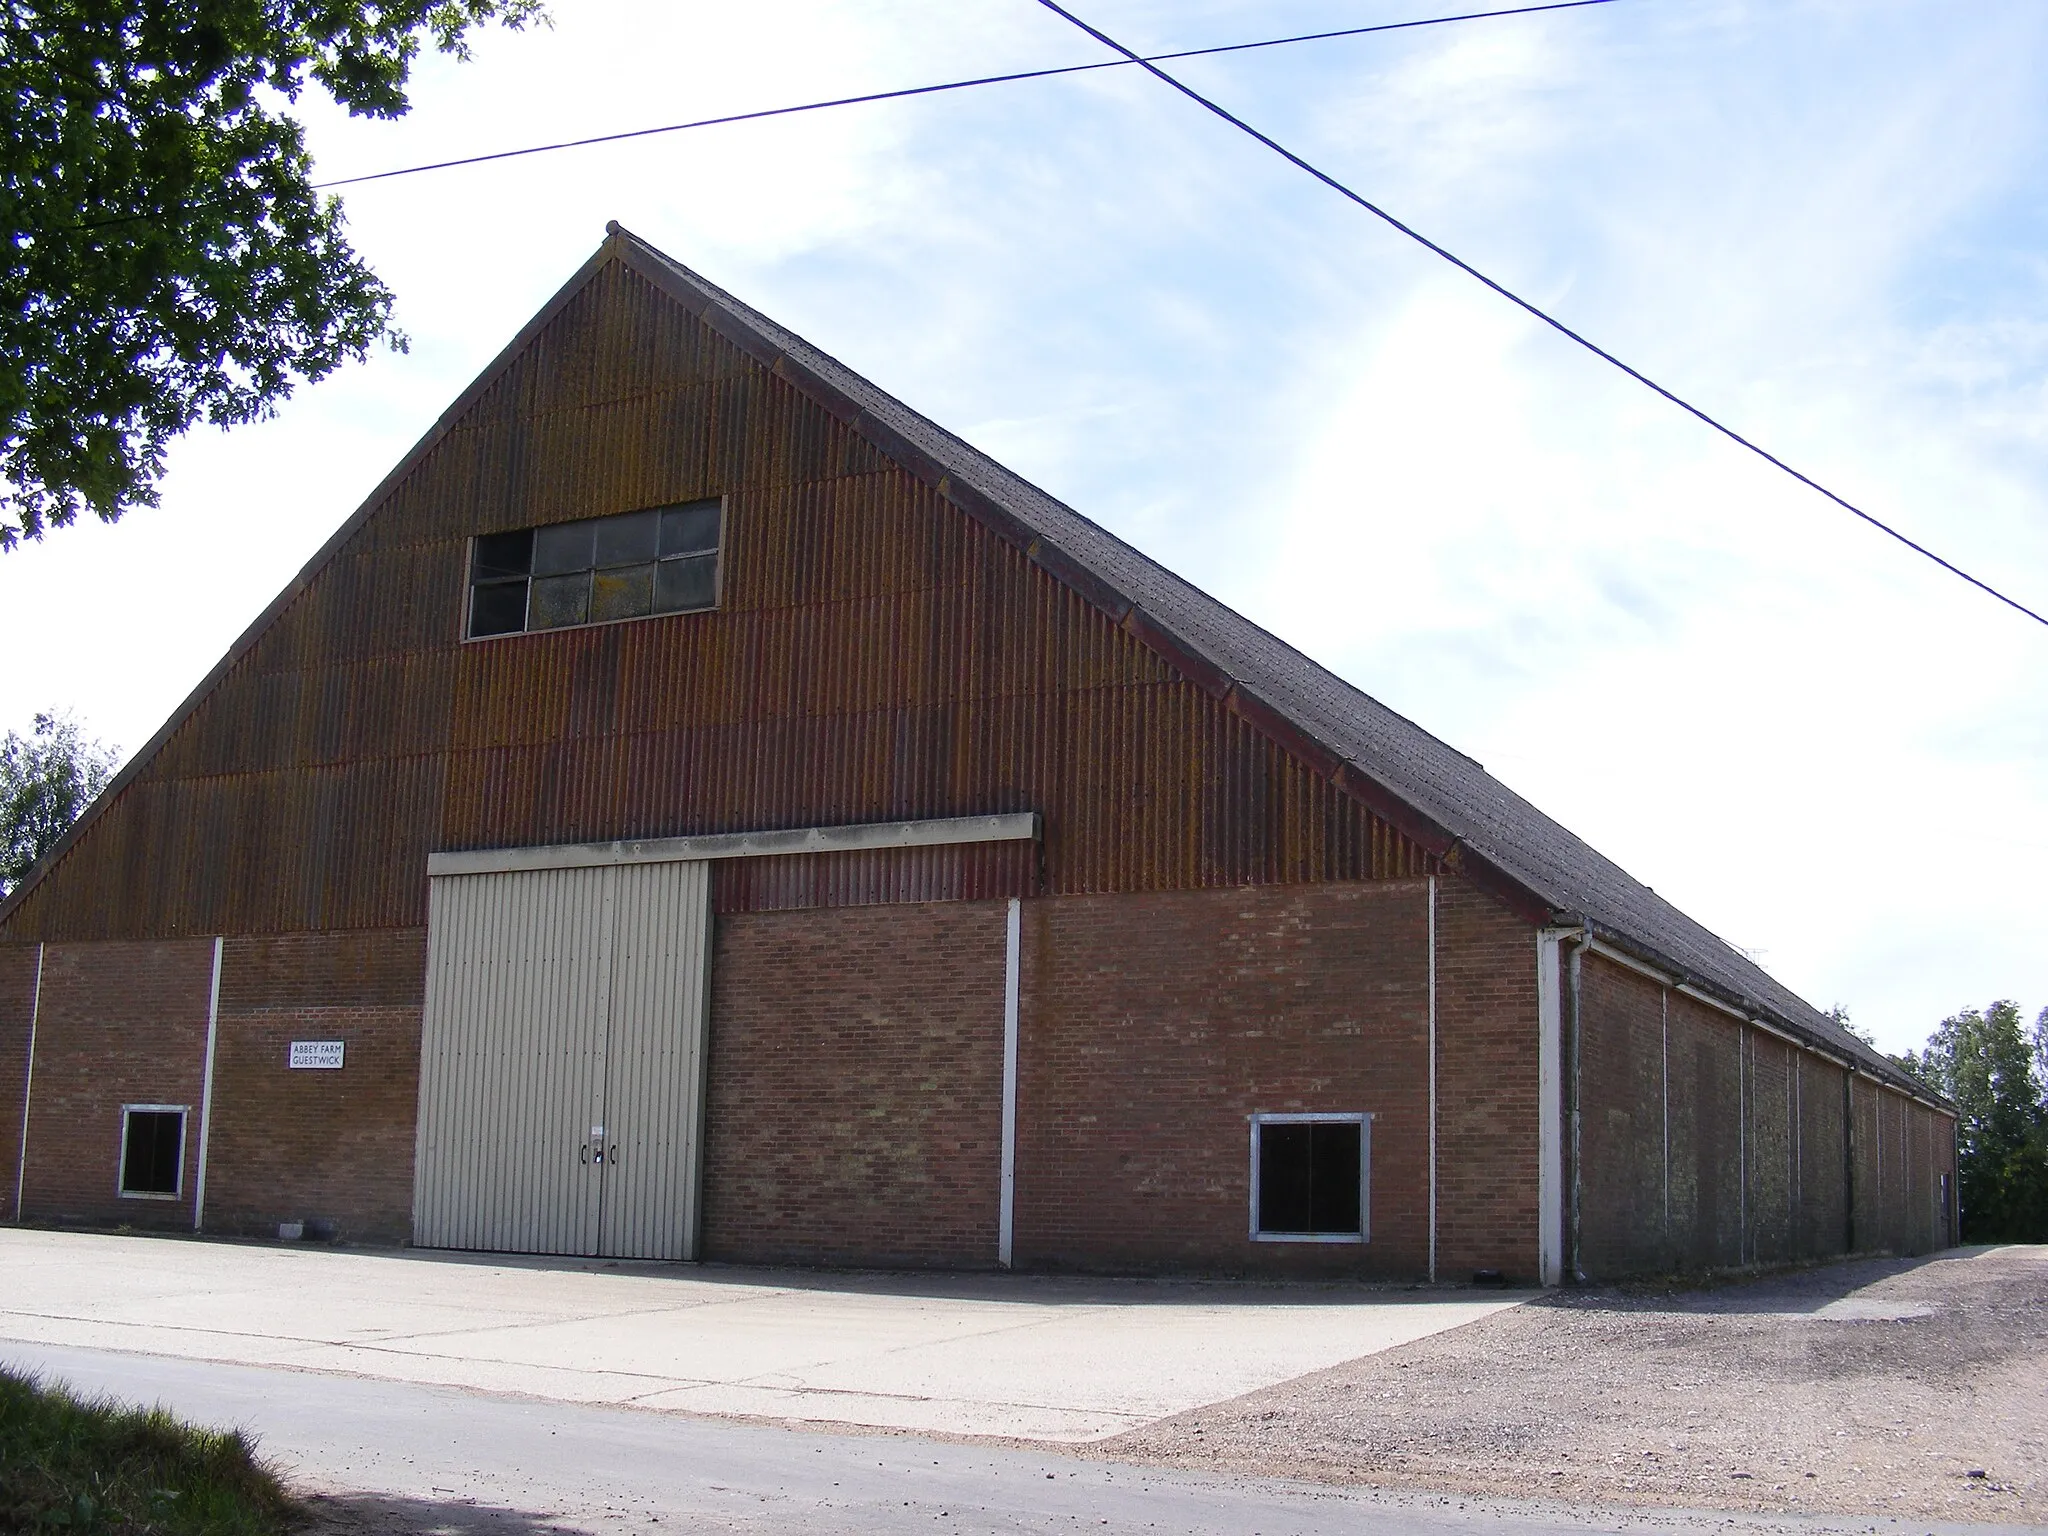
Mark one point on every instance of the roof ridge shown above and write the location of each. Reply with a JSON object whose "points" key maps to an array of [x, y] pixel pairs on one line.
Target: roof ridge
{"points": [[1481, 813], [1282, 689]]}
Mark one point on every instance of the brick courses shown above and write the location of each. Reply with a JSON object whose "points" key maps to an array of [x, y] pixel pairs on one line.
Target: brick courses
{"points": [[1153, 1025], [291, 1145], [121, 1022], [854, 1110], [1486, 1085]]}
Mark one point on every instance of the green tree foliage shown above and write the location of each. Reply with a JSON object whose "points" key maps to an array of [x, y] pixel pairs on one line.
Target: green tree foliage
{"points": [[47, 779], [168, 261], [1996, 1071]]}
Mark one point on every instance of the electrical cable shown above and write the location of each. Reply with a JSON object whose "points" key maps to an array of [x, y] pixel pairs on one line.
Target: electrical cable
{"points": [[949, 85], [873, 96], [1152, 67]]}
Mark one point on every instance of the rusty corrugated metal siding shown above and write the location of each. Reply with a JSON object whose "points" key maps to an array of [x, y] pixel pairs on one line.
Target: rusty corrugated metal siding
{"points": [[865, 877], [877, 655]]}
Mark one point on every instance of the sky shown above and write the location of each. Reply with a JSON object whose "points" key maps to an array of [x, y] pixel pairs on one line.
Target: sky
{"points": [[1820, 220]]}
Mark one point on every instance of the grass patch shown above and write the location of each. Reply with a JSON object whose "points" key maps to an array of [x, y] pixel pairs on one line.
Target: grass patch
{"points": [[69, 1464]]}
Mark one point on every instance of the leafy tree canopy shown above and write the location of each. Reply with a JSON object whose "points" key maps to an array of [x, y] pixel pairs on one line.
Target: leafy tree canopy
{"points": [[47, 779], [1993, 1067], [168, 261]]}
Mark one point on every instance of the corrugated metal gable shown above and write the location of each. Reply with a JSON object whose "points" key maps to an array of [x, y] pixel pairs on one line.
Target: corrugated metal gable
{"points": [[877, 656]]}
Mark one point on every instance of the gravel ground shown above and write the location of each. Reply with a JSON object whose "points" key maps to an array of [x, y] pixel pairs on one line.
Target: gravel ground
{"points": [[1877, 1387]]}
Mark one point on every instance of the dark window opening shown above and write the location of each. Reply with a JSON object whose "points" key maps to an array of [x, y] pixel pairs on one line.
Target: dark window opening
{"points": [[632, 566], [1310, 1178], [152, 1151]]}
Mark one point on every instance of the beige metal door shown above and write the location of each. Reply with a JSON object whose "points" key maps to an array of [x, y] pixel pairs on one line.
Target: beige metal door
{"points": [[561, 1061], [655, 1062]]}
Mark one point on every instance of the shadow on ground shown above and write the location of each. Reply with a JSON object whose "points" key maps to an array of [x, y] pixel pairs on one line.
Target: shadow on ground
{"points": [[1829, 1289], [362, 1514]]}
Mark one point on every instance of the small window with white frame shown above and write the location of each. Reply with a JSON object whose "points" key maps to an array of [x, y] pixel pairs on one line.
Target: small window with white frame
{"points": [[152, 1151], [1311, 1178]]}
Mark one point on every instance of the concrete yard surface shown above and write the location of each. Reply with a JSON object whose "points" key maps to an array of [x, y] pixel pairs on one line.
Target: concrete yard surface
{"points": [[1011, 1356], [1871, 1387]]}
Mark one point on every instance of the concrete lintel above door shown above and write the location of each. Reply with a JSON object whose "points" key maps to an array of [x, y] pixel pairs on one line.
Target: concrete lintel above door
{"points": [[1014, 827]]}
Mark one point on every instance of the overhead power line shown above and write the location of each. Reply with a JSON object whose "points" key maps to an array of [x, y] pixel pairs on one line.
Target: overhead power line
{"points": [[853, 101], [1151, 66], [948, 85]]}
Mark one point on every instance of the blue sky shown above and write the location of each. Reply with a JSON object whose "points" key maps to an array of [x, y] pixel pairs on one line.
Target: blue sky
{"points": [[1820, 220]]}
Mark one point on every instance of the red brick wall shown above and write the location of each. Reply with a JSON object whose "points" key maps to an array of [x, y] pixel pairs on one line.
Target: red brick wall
{"points": [[854, 1109], [1486, 1086], [121, 1022], [293, 1145], [1153, 1025], [17, 1003]]}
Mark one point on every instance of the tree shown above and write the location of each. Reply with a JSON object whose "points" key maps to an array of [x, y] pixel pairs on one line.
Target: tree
{"points": [[168, 260], [1993, 1071], [47, 779]]}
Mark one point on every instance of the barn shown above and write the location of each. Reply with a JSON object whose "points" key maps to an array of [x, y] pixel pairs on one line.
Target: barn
{"points": [[699, 808]]}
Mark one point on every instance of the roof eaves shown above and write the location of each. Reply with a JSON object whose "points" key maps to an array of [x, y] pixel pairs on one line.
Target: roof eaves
{"points": [[1827, 1039], [978, 485]]}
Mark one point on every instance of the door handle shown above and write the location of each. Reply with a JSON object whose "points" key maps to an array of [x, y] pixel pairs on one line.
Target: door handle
{"points": [[614, 1154], [583, 1154]]}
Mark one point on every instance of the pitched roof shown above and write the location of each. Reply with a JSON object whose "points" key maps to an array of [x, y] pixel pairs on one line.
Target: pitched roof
{"points": [[1436, 793], [1471, 810]]}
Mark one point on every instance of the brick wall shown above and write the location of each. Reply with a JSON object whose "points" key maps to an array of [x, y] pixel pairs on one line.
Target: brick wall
{"points": [[1760, 1170], [1901, 1150], [292, 1145], [1820, 1149], [1487, 1138], [17, 1003], [1865, 1220], [1624, 1224], [854, 1109], [121, 1022], [1153, 1025], [1767, 1159], [1706, 1137]]}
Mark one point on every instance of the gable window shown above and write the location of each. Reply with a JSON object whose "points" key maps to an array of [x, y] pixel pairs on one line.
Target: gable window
{"points": [[152, 1151], [596, 571], [1311, 1178]]}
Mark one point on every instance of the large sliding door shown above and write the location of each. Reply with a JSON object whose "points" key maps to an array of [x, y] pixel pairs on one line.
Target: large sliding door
{"points": [[654, 1080], [562, 1060]]}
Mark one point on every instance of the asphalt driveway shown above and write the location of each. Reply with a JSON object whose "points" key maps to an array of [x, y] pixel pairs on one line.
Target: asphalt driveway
{"points": [[1016, 1357]]}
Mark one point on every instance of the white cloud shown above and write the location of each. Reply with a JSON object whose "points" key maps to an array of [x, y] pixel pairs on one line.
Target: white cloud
{"points": [[1814, 216]]}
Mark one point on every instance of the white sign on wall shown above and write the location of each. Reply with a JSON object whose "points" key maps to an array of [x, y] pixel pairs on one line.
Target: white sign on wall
{"points": [[321, 1055]]}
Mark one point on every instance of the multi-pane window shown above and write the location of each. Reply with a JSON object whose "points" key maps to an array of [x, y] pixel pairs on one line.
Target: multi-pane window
{"points": [[660, 560], [1310, 1178], [152, 1150]]}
